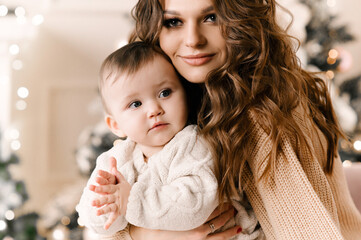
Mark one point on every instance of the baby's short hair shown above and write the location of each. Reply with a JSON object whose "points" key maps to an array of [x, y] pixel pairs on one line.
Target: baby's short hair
{"points": [[127, 60]]}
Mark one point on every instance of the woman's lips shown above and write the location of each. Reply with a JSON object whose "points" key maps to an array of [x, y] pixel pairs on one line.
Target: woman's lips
{"points": [[197, 60]]}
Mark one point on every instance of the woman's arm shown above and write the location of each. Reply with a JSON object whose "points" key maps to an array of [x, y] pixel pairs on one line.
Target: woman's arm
{"points": [[297, 201], [204, 232]]}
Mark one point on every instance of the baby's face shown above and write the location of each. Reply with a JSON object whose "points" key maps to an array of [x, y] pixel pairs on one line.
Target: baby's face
{"points": [[149, 106]]}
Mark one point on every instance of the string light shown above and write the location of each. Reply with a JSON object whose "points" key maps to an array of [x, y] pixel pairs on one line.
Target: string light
{"points": [[331, 3], [23, 92], [20, 12], [15, 145], [122, 43], [3, 225], [21, 105], [21, 20], [3, 11], [37, 20], [14, 49], [347, 163], [9, 215], [330, 74], [357, 145], [58, 234], [65, 220], [333, 53], [17, 64]]}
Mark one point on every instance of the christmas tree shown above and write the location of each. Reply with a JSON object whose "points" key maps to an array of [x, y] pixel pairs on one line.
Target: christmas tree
{"points": [[12, 196], [322, 45]]}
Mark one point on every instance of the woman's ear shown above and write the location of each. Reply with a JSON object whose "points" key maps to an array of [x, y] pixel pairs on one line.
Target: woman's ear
{"points": [[113, 126]]}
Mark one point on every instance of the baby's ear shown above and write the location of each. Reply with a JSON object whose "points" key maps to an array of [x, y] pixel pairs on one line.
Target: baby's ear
{"points": [[114, 126]]}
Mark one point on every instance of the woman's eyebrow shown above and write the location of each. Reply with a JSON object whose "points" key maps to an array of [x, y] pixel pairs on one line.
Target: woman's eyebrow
{"points": [[173, 12]]}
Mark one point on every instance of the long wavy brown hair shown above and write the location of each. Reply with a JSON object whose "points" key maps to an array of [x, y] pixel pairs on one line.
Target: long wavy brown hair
{"points": [[262, 76]]}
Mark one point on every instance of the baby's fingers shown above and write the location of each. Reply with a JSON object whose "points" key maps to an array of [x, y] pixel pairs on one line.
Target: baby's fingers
{"points": [[102, 189], [107, 209], [107, 176], [112, 217], [107, 199]]}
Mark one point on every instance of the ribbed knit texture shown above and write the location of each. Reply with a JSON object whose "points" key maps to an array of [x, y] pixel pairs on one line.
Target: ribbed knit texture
{"points": [[300, 201]]}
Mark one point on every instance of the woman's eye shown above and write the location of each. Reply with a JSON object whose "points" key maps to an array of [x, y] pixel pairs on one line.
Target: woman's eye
{"points": [[172, 22], [165, 93], [135, 104], [211, 18]]}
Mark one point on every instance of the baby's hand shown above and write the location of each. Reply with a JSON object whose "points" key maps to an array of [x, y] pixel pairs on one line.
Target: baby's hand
{"points": [[114, 198]]}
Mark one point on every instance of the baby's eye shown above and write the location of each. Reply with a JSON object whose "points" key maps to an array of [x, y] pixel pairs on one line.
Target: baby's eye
{"points": [[165, 93], [211, 18], [135, 104], [172, 22]]}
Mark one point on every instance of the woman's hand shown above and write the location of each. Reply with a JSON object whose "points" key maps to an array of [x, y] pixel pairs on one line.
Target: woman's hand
{"points": [[204, 232]]}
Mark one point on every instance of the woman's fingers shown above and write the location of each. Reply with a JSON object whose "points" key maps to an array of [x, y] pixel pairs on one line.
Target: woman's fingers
{"points": [[219, 221], [219, 210], [107, 199], [226, 234]]}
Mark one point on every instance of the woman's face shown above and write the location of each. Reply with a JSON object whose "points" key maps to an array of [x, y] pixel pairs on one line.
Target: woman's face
{"points": [[192, 38]]}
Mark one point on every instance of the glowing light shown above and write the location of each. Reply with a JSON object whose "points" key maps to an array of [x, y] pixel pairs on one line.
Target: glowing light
{"points": [[8, 238], [17, 64], [20, 12], [9, 215], [37, 20], [331, 3], [14, 49], [2, 225], [15, 145], [58, 234], [330, 74], [333, 53], [21, 20], [331, 61], [23, 92], [65, 220], [122, 43], [357, 145], [347, 163], [20, 105], [3, 10], [13, 133], [80, 223]]}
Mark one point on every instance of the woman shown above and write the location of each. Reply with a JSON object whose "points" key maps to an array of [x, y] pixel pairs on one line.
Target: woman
{"points": [[270, 124]]}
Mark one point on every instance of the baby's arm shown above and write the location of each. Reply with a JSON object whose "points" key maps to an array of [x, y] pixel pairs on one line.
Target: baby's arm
{"points": [[88, 214], [114, 195]]}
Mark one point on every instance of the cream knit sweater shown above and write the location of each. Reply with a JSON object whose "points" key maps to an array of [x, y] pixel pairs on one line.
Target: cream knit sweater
{"points": [[300, 201], [174, 190]]}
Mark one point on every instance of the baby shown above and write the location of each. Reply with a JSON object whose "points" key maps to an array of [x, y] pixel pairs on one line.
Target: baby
{"points": [[161, 175]]}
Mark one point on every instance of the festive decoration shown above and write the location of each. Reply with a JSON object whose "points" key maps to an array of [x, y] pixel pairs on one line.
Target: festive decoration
{"points": [[91, 143], [12, 196], [59, 220], [324, 53]]}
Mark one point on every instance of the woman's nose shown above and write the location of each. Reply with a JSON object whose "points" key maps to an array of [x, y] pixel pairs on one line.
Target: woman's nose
{"points": [[194, 36]]}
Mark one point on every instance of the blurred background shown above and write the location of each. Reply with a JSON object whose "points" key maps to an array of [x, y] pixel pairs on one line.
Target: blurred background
{"points": [[51, 119]]}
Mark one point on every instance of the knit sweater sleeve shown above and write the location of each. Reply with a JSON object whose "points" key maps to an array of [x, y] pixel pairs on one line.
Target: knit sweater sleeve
{"points": [[180, 192], [296, 202], [87, 213]]}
